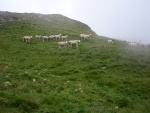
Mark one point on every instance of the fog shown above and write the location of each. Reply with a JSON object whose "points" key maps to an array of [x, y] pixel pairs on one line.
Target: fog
{"points": [[120, 19]]}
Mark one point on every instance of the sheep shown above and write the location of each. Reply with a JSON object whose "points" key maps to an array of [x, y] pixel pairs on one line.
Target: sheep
{"points": [[84, 36], [125, 42], [27, 38], [62, 44], [110, 41], [45, 38], [64, 37], [38, 37], [51, 37], [132, 44], [142, 45], [57, 37], [74, 42]]}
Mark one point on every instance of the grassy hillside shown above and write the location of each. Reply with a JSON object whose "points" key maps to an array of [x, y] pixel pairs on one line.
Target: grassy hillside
{"points": [[32, 24], [38, 77]]}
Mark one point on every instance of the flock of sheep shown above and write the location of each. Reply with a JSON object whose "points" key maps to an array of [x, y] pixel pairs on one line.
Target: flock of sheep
{"points": [[137, 44], [63, 43]]}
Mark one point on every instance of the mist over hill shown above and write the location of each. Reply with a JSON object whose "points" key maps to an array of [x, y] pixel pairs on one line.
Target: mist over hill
{"points": [[52, 23]]}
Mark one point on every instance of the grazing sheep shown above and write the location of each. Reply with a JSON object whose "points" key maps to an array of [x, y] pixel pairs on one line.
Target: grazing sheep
{"points": [[57, 37], [74, 42], [125, 42], [110, 41], [27, 38], [142, 45], [64, 37], [132, 44], [51, 37], [45, 38], [84, 36], [38, 37], [62, 44]]}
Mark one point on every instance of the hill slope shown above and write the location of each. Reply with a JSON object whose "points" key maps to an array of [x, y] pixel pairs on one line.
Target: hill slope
{"points": [[96, 77], [44, 24]]}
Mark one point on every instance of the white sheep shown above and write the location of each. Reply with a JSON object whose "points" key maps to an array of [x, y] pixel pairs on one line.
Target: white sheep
{"points": [[84, 36], [57, 37], [45, 38], [51, 37], [142, 45], [132, 44], [62, 44], [38, 37], [64, 37], [74, 42], [110, 41], [27, 38], [125, 42]]}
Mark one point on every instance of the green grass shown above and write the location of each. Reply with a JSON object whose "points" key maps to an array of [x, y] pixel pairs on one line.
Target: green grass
{"points": [[70, 80]]}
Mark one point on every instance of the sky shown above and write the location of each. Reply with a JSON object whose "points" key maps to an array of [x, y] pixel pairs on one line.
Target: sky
{"points": [[118, 19]]}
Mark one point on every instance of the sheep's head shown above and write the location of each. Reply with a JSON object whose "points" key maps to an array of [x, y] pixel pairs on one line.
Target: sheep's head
{"points": [[69, 42], [78, 41]]}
